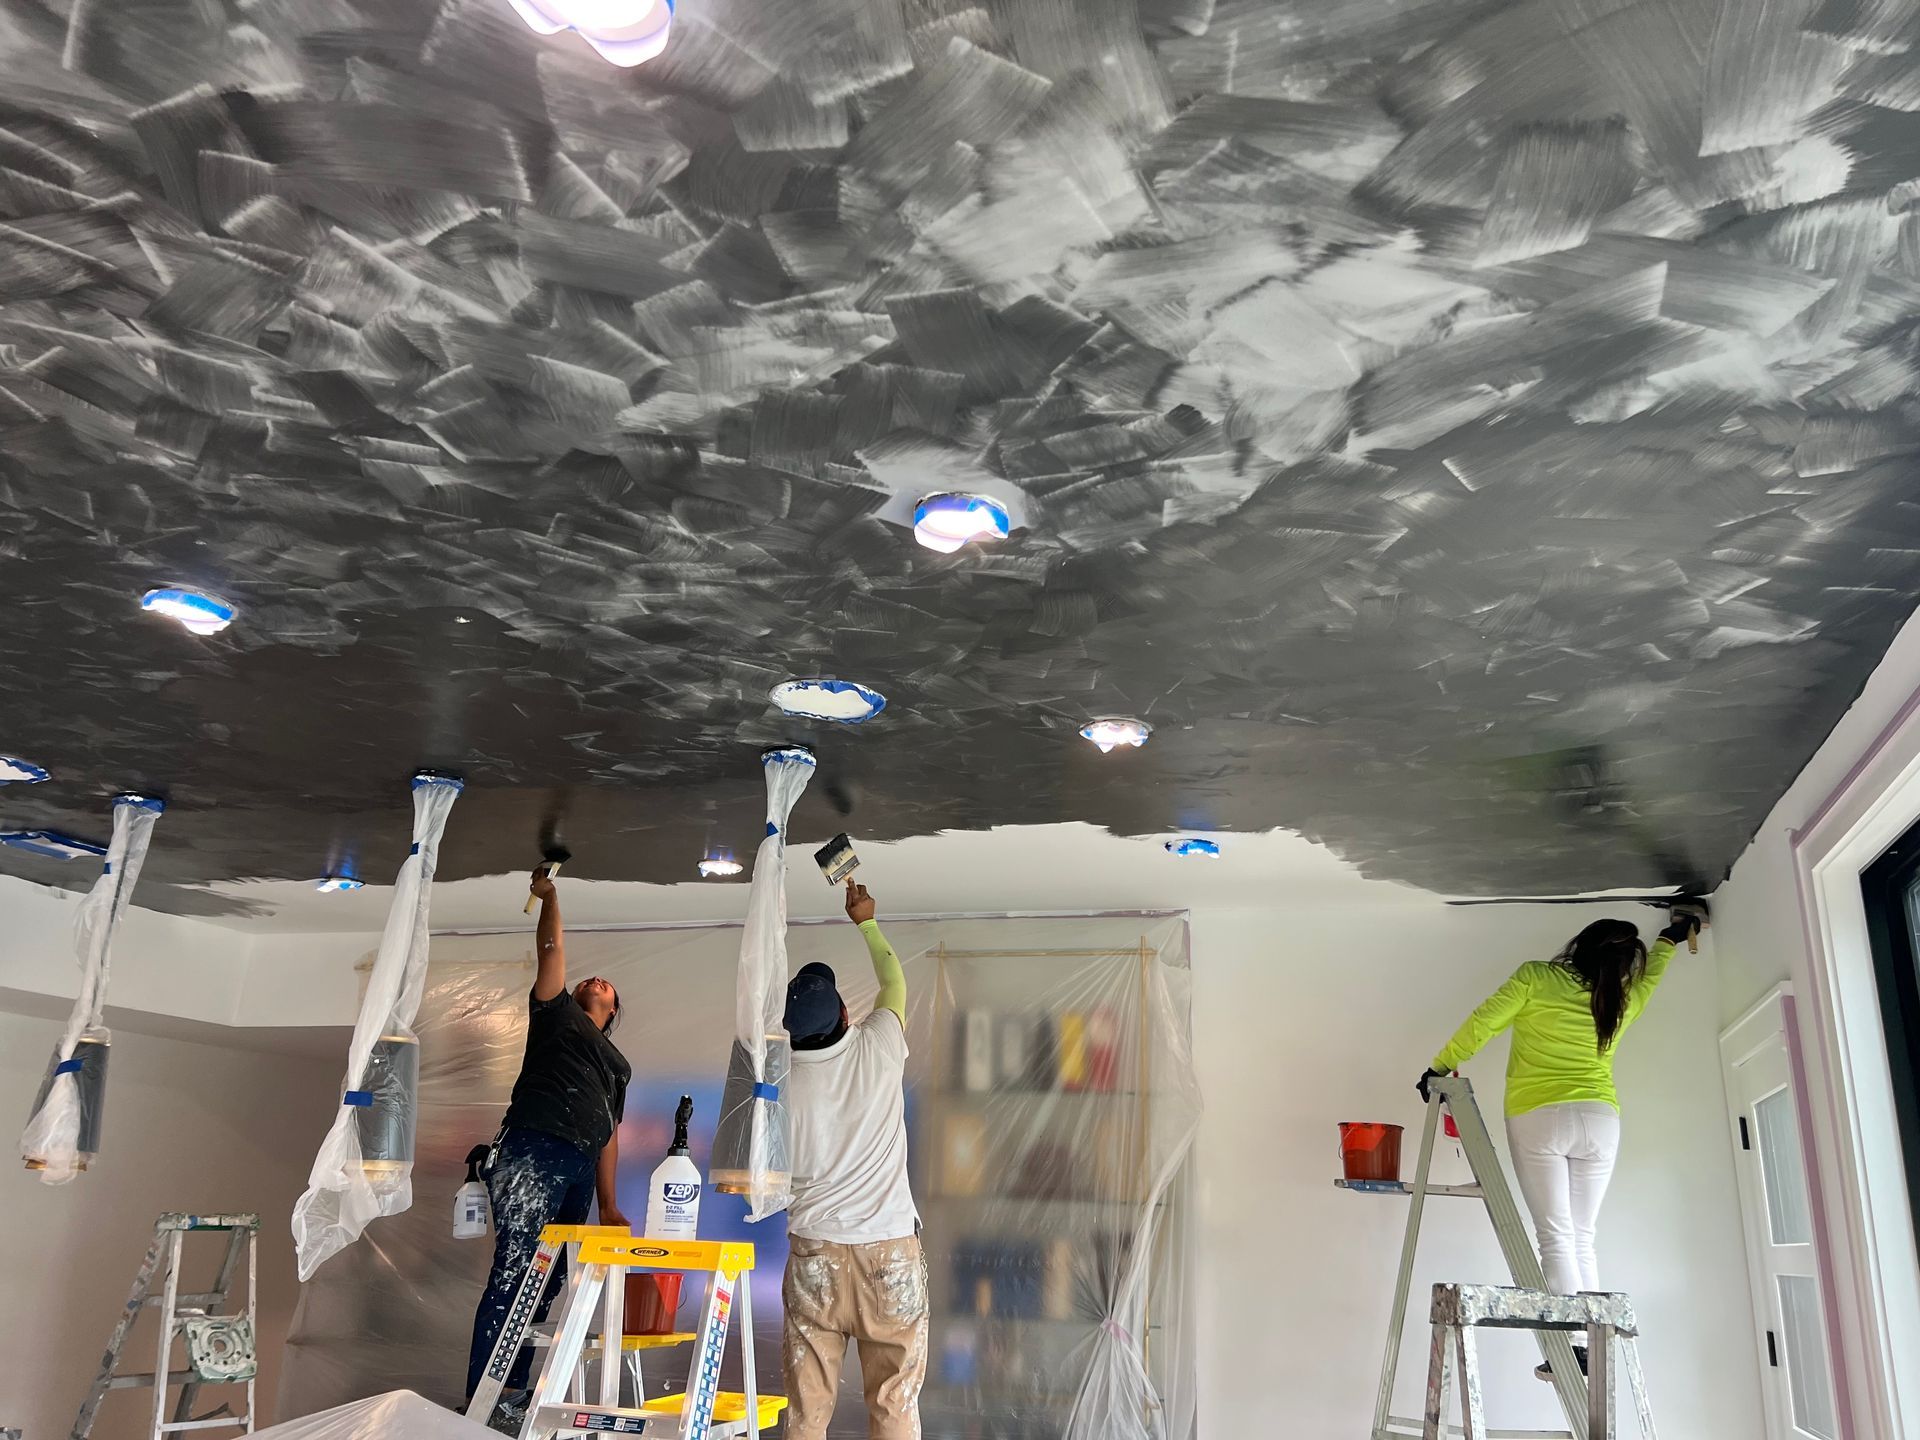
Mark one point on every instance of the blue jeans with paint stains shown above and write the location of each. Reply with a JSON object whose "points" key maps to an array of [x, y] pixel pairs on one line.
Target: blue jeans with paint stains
{"points": [[538, 1180]]}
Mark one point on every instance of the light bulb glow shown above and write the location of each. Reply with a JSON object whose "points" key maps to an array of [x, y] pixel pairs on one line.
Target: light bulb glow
{"points": [[334, 884], [1192, 847], [625, 32], [202, 614], [946, 522], [15, 771], [842, 701], [719, 866], [1113, 731]]}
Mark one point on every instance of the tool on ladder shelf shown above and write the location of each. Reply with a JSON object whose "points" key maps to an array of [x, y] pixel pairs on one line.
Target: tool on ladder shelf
{"points": [[220, 1346], [1607, 1320], [1455, 1094]]}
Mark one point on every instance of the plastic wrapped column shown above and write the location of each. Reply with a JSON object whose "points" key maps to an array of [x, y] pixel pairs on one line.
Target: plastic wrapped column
{"points": [[63, 1135], [365, 1165], [750, 1142]]}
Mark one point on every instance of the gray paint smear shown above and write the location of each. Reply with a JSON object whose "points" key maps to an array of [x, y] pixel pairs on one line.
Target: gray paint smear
{"points": [[1477, 436]]}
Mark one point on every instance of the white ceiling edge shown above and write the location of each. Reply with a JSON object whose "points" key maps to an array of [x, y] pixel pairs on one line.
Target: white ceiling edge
{"points": [[1028, 869]]}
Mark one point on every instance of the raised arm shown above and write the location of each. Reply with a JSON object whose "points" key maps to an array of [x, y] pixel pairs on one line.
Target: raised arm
{"points": [[550, 939], [886, 964]]}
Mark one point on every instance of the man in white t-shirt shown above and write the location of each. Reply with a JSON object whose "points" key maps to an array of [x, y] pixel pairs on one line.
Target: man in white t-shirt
{"points": [[855, 1270]]}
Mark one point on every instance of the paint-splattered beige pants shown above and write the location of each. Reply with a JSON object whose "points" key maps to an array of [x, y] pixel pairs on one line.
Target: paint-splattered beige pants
{"points": [[875, 1295]]}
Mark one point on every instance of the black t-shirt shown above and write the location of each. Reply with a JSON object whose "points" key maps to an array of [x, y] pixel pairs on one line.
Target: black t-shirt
{"points": [[573, 1082]]}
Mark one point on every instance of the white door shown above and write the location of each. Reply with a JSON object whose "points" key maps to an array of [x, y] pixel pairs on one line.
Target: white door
{"points": [[1778, 1215]]}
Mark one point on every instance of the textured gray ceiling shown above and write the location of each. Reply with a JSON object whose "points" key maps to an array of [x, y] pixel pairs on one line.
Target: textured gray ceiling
{"points": [[1478, 435]]}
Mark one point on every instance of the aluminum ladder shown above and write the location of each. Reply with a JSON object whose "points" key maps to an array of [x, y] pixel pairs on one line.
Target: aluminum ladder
{"points": [[220, 1346], [1455, 1093]]}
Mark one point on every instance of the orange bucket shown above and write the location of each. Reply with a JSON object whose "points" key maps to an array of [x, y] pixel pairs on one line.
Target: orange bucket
{"points": [[653, 1299], [1370, 1151]]}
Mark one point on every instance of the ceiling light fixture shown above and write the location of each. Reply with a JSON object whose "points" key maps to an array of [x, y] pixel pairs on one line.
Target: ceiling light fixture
{"points": [[1115, 730], [719, 866], [947, 521], [841, 701], [15, 771], [625, 32], [202, 614], [1191, 847], [334, 884], [51, 845]]}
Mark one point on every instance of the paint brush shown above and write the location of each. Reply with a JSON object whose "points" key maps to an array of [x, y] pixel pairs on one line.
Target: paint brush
{"points": [[836, 859], [551, 859]]}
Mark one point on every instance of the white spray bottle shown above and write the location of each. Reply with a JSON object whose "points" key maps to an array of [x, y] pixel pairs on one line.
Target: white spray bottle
{"points": [[470, 1200], [673, 1193]]}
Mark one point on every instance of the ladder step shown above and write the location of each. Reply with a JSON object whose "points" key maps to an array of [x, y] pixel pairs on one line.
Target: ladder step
{"points": [[186, 1302], [1401, 1187], [135, 1382], [220, 1422], [1399, 1425]]}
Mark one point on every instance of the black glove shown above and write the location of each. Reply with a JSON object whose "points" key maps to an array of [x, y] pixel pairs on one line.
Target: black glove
{"points": [[1683, 927], [1422, 1085]]}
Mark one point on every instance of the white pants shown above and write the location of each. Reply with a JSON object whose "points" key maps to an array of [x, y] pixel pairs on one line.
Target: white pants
{"points": [[1563, 1156]]}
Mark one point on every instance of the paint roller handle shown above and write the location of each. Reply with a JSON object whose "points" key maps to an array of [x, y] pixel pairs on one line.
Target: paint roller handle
{"points": [[541, 886]]}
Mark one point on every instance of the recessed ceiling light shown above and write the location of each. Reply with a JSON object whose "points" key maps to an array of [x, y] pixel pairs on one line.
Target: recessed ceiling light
{"points": [[626, 32], [51, 845], [463, 619], [202, 614], [334, 884], [1113, 730], [719, 866], [1191, 847], [15, 771], [946, 522], [839, 700]]}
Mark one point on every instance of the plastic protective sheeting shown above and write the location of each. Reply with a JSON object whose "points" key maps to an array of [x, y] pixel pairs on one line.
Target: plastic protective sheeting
{"points": [[397, 1415], [365, 1165], [1050, 1108], [750, 1143], [63, 1134]]}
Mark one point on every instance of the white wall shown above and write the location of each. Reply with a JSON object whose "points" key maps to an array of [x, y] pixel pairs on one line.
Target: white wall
{"points": [[188, 1127], [1307, 1017]]}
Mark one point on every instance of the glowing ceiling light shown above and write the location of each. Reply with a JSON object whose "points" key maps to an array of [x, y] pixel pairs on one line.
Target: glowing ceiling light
{"points": [[202, 614], [946, 522], [15, 771], [720, 865], [839, 700], [1191, 847], [334, 884], [1114, 730], [625, 32]]}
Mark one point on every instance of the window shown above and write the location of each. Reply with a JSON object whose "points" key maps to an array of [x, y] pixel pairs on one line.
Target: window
{"points": [[1891, 888]]}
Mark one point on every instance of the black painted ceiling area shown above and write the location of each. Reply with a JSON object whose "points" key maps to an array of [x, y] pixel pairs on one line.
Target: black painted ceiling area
{"points": [[1476, 435]]}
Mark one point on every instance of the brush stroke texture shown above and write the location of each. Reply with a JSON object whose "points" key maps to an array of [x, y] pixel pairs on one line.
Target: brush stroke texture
{"points": [[1479, 436]]}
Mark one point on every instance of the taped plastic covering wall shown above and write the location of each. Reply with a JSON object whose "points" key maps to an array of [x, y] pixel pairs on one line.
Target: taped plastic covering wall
{"points": [[750, 1142], [1051, 1108], [365, 1165], [63, 1133]]}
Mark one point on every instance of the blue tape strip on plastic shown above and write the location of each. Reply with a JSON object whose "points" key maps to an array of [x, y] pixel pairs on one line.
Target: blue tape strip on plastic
{"points": [[361, 1098], [414, 851], [424, 778], [107, 869], [69, 1067], [141, 802], [772, 829], [765, 1092]]}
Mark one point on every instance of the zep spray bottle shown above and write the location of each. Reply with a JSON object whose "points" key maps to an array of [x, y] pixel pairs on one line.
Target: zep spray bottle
{"points": [[470, 1200], [673, 1194]]}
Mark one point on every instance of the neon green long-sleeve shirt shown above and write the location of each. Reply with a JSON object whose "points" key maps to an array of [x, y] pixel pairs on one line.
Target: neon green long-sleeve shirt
{"points": [[886, 969], [1556, 1057]]}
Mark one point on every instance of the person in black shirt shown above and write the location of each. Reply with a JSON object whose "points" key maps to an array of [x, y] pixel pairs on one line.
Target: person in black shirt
{"points": [[558, 1149]]}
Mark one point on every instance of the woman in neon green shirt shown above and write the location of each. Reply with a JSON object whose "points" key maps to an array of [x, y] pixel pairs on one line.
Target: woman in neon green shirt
{"points": [[1563, 1118]]}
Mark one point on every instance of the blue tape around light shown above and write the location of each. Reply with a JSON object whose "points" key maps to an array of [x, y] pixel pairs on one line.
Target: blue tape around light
{"points": [[51, 844], [69, 1067], [765, 1092], [424, 778], [141, 802], [842, 702], [361, 1098], [15, 771], [789, 755], [1191, 847]]}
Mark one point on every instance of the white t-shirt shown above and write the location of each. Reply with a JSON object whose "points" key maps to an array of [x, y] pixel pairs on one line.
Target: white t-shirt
{"points": [[847, 1126]]}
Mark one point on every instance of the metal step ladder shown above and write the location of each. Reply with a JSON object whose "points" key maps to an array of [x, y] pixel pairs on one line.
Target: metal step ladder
{"points": [[1455, 1094], [219, 1343]]}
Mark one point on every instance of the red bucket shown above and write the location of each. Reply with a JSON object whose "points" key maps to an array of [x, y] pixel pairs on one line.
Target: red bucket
{"points": [[653, 1299], [1370, 1151]]}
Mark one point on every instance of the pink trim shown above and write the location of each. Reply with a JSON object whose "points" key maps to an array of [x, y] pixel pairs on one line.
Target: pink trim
{"points": [[1817, 1202], [1900, 717]]}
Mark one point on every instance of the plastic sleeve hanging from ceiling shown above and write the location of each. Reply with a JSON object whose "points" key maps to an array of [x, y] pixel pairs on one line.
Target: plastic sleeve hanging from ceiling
{"points": [[365, 1165], [750, 1143], [62, 1136]]}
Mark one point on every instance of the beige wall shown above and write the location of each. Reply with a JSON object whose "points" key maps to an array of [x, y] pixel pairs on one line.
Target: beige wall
{"points": [[189, 1126]]}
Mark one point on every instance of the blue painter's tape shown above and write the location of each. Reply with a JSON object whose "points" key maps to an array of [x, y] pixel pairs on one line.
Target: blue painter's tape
{"points": [[107, 869], [69, 1067], [141, 802], [51, 844], [414, 851], [362, 1098], [772, 829], [423, 778], [765, 1092]]}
